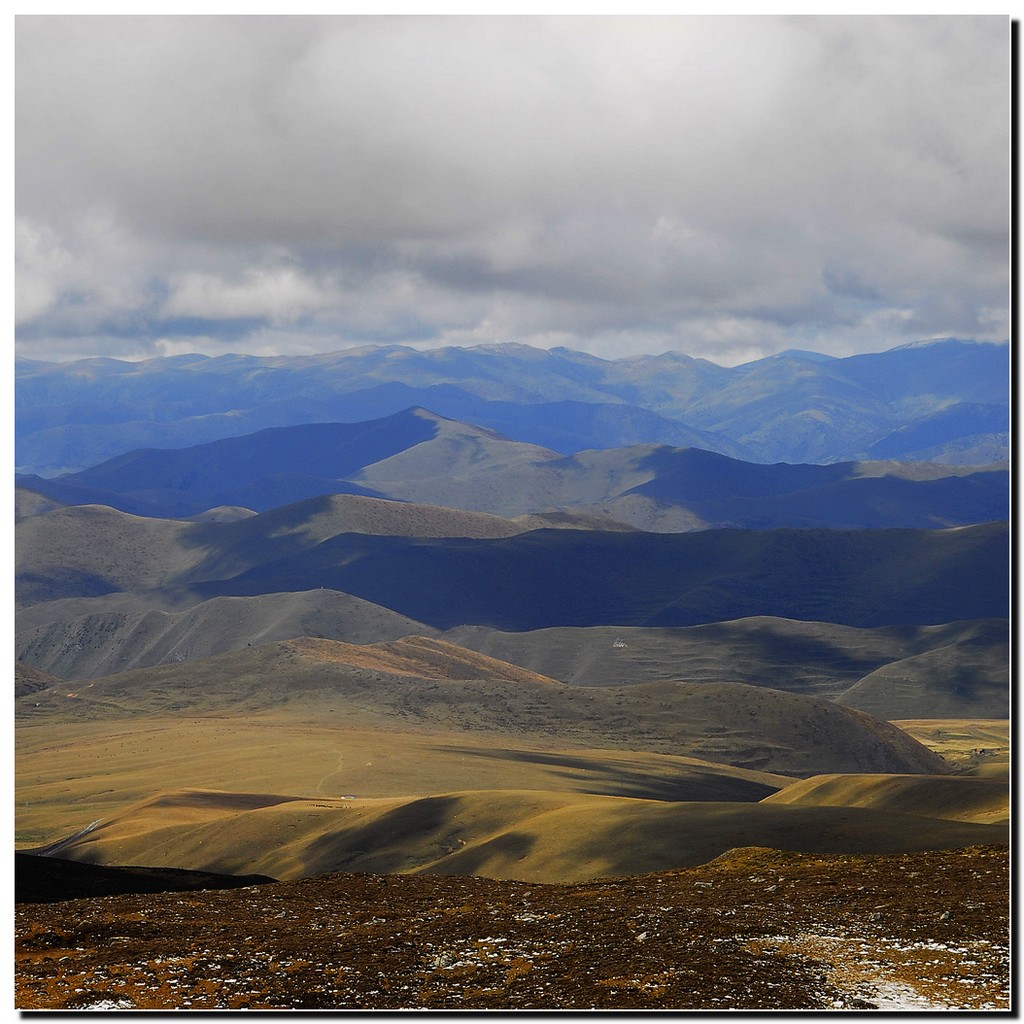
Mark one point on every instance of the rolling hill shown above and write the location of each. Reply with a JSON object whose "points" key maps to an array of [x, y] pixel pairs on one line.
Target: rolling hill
{"points": [[90, 550], [560, 774], [537, 837], [962, 667], [957, 798], [968, 680], [236, 645], [433, 684], [824, 659], [101, 643], [530, 580]]}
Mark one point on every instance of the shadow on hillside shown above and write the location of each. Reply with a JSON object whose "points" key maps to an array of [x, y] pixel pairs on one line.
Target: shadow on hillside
{"points": [[622, 779], [786, 659], [398, 840]]}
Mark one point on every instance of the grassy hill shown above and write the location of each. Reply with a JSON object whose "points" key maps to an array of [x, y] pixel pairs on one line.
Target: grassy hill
{"points": [[819, 658], [435, 685], [958, 798], [418, 456], [104, 642], [506, 834], [966, 680]]}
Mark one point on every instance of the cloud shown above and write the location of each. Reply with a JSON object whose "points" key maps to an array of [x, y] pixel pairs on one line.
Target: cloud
{"points": [[280, 295], [647, 183]]}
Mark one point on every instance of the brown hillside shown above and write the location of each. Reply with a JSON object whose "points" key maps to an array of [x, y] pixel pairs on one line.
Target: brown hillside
{"points": [[417, 656], [28, 680], [120, 636], [750, 727]]}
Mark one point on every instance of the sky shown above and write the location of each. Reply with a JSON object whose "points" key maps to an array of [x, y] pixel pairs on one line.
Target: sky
{"points": [[725, 187]]}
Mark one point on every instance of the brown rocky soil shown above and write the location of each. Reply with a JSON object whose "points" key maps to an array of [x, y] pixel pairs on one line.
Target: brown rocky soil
{"points": [[755, 929]]}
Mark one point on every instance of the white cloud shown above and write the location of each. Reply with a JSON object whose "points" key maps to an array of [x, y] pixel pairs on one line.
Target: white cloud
{"points": [[41, 263], [643, 182], [280, 295]]}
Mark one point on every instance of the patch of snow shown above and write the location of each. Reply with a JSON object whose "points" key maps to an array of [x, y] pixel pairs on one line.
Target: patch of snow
{"points": [[892, 995]]}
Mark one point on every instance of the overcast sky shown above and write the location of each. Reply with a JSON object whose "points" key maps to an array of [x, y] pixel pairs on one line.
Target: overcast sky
{"points": [[723, 187]]}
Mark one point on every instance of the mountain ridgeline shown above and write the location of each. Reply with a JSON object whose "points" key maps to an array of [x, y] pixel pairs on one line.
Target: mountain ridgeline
{"points": [[418, 456], [945, 401], [532, 579]]}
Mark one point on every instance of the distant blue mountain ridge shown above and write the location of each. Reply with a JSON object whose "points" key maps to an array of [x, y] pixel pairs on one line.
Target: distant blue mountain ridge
{"points": [[944, 401]]}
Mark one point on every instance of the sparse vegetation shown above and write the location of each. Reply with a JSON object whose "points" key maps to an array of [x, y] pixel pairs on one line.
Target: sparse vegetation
{"points": [[923, 931]]}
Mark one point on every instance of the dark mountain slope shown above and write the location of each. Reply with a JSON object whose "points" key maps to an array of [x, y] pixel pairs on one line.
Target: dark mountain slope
{"points": [[84, 551], [298, 461], [727, 492], [463, 568], [546, 578], [953, 427]]}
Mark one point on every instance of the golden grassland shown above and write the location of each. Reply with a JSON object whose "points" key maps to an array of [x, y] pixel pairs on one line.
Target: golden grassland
{"points": [[70, 774], [982, 745], [282, 794]]}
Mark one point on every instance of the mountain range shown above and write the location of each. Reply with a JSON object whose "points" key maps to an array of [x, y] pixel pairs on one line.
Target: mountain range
{"points": [[418, 456], [944, 401], [507, 612]]}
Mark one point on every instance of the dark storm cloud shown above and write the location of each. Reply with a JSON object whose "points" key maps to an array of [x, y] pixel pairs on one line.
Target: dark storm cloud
{"points": [[717, 185]]}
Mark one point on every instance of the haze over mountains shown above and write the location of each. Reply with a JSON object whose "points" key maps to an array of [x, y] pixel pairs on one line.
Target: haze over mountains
{"points": [[944, 401], [490, 610]]}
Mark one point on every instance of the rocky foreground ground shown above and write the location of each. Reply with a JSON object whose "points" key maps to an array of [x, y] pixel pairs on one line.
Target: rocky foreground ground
{"points": [[756, 929]]}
